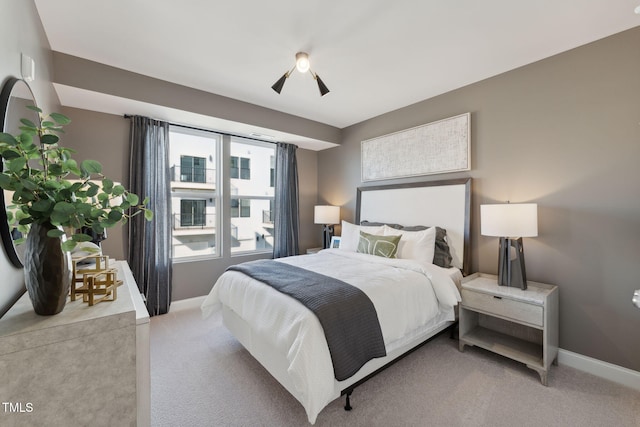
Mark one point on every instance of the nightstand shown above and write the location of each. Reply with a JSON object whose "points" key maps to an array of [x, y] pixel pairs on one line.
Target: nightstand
{"points": [[519, 324]]}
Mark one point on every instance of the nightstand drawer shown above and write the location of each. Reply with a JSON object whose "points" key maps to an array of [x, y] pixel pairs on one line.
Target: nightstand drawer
{"points": [[517, 310]]}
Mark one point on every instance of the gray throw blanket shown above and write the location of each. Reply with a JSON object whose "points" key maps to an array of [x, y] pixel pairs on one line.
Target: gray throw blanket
{"points": [[347, 315]]}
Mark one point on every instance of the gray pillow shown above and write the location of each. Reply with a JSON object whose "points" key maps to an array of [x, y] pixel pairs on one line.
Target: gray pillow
{"points": [[441, 255]]}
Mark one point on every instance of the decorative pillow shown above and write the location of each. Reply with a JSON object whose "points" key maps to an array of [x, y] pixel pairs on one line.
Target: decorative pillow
{"points": [[442, 254], [416, 245], [351, 235], [384, 246]]}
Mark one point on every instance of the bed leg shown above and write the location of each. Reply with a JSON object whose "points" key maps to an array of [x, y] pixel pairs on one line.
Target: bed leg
{"points": [[347, 405], [452, 331]]}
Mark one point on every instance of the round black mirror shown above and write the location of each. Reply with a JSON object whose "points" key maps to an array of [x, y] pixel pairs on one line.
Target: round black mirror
{"points": [[16, 95]]}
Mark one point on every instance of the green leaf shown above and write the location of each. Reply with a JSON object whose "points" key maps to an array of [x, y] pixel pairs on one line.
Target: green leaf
{"points": [[56, 232], [90, 167], [28, 123], [107, 185], [29, 185], [16, 165], [10, 154], [64, 208], [56, 169], [34, 108], [42, 205], [148, 215], [8, 139], [132, 199], [92, 190], [145, 201], [25, 221], [118, 190], [115, 215], [68, 245], [49, 139], [81, 238], [60, 119], [5, 181]]}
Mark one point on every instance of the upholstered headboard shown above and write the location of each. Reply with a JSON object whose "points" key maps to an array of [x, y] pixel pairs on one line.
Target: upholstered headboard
{"points": [[445, 203]]}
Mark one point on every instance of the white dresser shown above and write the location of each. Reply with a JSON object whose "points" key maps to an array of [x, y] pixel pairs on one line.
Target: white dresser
{"points": [[84, 366]]}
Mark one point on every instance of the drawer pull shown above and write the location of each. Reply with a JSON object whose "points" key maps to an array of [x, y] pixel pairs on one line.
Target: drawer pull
{"points": [[497, 297]]}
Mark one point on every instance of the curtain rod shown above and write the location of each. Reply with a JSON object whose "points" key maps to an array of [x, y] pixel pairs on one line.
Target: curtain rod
{"points": [[128, 116]]}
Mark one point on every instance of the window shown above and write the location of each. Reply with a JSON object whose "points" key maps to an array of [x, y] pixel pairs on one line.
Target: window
{"points": [[192, 213], [252, 195], [245, 168], [240, 167], [192, 169], [194, 192], [240, 208], [197, 203]]}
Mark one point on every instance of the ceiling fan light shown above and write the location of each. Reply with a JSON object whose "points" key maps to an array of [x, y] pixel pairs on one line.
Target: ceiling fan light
{"points": [[277, 86], [302, 62], [321, 86]]}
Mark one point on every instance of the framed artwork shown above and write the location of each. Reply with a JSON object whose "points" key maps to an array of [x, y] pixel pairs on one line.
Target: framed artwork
{"points": [[335, 242], [437, 147]]}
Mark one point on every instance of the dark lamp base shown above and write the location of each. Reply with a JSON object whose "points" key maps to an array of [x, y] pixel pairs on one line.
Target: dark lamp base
{"points": [[511, 271]]}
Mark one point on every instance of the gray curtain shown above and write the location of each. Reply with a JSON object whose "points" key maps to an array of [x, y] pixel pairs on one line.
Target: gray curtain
{"points": [[150, 242], [286, 222]]}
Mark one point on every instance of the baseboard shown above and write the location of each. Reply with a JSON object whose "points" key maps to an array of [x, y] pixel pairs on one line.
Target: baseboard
{"points": [[608, 371], [187, 304]]}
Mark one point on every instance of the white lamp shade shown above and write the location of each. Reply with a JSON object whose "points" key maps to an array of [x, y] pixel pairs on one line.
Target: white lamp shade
{"points": [[325, 214], [509, 220]]}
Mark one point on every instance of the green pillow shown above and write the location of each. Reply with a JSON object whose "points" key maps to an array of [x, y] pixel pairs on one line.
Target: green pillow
{"points": [[384, 246]]}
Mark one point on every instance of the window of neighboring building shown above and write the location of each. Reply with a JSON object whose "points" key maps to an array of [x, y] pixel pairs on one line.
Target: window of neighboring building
{"points": [[240, 167], [193, 169], [192, 212], [240, 208]]}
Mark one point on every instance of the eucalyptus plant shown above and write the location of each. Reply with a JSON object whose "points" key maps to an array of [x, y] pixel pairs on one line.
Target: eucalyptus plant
{"points": [[49, 186]]}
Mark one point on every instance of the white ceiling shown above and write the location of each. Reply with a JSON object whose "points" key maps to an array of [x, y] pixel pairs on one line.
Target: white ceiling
{"points": [[374, 55]]}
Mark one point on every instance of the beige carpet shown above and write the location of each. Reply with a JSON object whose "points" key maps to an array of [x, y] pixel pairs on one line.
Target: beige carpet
{"points": [[201, 376]]}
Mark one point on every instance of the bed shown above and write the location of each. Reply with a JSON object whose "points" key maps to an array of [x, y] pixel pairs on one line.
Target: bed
{"points": [[288, 339]]}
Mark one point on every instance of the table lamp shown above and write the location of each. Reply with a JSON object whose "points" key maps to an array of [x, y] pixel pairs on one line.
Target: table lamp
{"points": [[511, 222], [327, 216]]}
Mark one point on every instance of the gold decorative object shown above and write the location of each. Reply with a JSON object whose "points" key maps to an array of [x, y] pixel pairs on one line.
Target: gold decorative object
{"points": [[95, 279]]}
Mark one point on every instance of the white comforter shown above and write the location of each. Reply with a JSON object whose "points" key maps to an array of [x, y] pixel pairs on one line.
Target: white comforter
{"points": [[406, 295]]}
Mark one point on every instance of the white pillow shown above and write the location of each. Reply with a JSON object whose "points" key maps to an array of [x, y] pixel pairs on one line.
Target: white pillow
{"points": [[416, 245], [351, 235]]}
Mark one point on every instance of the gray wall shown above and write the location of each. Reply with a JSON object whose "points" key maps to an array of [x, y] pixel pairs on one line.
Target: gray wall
{"points": [[21, 32], [564, 133]]}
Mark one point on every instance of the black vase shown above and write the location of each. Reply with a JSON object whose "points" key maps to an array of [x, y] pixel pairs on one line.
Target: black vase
{"points": [[47, 270]]}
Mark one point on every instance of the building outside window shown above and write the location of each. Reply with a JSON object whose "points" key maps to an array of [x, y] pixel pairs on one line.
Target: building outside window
{"points": [[194, 157], [252, 195], [197, 223]]}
